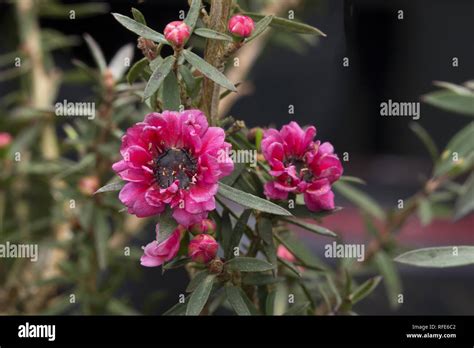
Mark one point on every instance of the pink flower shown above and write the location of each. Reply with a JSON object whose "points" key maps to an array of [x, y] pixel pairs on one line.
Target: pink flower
{"points": [[173, 159], [202, 248], [155, 254], [301, 165], [285, 254], [205, 226], [241, 26], [5, 139], [177, 33]]}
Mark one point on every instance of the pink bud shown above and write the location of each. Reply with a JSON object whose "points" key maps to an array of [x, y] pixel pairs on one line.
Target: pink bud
{"points": [[5, 139], [202, 248], [205, 226], [241, 26], [177, 33], [88, 185]]}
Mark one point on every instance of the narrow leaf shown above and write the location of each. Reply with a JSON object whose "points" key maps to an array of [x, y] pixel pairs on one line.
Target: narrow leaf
{"points": [[193, 14], [199, 297], [451, 101], [465, 202], [248, 264], [138, 16], [261, 26], [289, 25], [212, 34], [235, 296], [360, 199], [426, 140], [208, 70], [119, 63], [171, 93], [439, 257], [140, 29], [115, 186], [96, 52], [158, 76], [250, 201], [364, 290], [311, 227], [136, 70]]}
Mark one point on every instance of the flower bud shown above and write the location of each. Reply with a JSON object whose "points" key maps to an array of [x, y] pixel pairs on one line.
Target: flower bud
{"points": [[202, 248], [241, 26], [88, 185], [216, 266], [5, 139], [205, 226], [177, 33]]}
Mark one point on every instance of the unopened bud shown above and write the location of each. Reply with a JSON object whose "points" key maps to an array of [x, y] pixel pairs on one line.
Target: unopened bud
{"points": [[202, 248], [177, 33], [241, 26]]}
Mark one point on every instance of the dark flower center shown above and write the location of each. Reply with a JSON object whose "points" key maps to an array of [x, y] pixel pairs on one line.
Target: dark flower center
{"points": [[301, 168], [175, 164]]}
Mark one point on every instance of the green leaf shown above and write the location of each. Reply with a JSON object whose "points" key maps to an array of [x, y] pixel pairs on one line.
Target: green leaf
{"points": [[299, 250], [101, 235], [115, 186], [226, 233], [171, 93], [138, 16], [352, 179], [250, 201], [212, 34], [439, 257], [426, 140], [116, 307], [311, 227], [179, 308], [298, 309], [208, 70], [290, 266], [270, 302], [248, 264], [235, 296], [463, 145], [260, 27], [199, 297], [265, 231], [259, 279], [424, 212], [198, 279], [54, 9], [288, 25], [190, 81], [452, 101], [158, 76], [302, 211], [96, 52], [193, 14], [365, 289], [136, 70], [176, 263], [166, 225], [465, 202], [118, 64], [140, 29], [360, 199], [390, 275]]}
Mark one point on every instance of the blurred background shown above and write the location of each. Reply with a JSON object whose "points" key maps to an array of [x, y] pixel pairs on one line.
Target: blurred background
{"points": [[389, 58]]}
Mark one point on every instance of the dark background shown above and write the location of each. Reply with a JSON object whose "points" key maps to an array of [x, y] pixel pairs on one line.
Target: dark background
{"points": [[389, 59]]}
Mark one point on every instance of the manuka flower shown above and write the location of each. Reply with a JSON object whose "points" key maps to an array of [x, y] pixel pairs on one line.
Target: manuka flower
{"points": [[175, 159], [301, 165], [155, 254]]}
